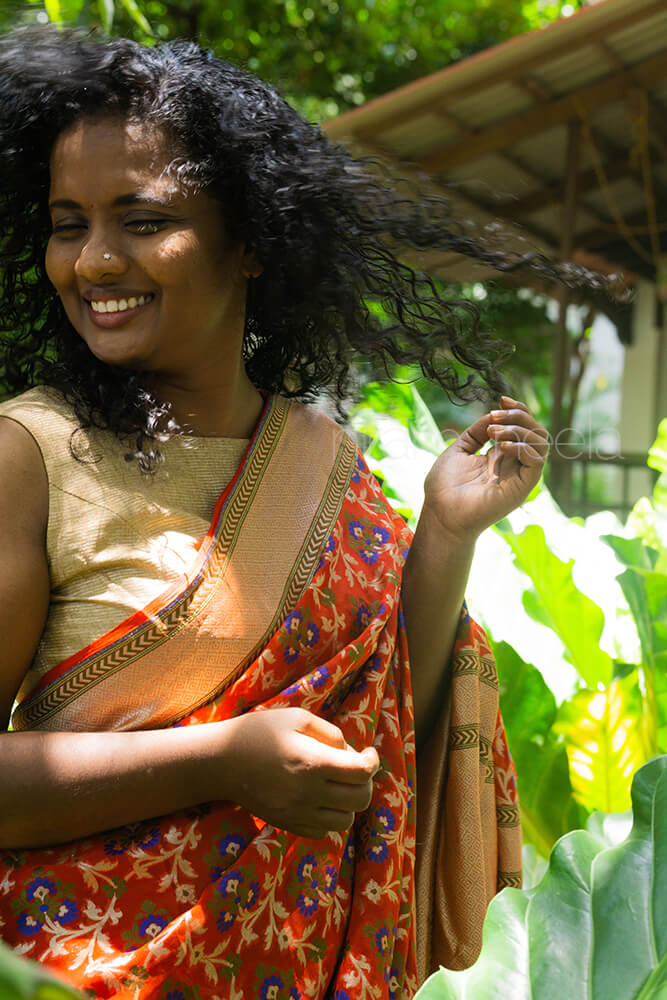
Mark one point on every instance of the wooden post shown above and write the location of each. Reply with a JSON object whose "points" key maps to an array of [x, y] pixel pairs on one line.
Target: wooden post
{"points": [[560, 477]]}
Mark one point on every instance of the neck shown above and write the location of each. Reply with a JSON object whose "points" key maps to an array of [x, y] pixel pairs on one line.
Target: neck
{"points": [[211, 406]]}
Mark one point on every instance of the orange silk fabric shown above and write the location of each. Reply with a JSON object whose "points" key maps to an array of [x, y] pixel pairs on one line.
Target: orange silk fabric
{"points": [[213, 903]]}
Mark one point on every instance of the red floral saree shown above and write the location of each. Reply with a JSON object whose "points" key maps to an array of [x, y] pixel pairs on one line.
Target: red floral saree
{"points": [[294, 600]]}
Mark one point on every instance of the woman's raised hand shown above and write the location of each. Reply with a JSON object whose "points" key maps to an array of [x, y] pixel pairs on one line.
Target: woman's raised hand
{"points": [[296, 771], [468, 492]]}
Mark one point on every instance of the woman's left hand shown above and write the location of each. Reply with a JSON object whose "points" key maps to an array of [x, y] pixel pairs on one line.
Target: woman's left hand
{"points": [[467, 492]]}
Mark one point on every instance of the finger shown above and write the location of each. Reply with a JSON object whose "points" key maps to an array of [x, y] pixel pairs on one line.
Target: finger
{"points": [[525, 453], [321, 730], [310, 832], [521, 417], [474, 437], [335, 819], [512, 432], [352, 768], [341, 795], [507, 401]]}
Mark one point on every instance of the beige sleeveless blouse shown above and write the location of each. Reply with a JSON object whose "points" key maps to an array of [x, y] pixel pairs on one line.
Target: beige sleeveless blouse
{"points": [[116, 538]]}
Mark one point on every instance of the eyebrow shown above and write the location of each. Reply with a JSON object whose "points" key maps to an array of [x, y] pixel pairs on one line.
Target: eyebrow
{"points": [[121, 201]]}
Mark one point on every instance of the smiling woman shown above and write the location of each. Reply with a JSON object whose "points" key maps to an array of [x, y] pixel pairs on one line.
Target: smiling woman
{"points": [[221, 648]]}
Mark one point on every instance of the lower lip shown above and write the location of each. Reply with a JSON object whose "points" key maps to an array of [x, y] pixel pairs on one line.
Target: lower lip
{"points": [[109, 320]]}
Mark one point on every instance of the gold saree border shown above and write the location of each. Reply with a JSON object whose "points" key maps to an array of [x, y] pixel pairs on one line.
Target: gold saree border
{"points": [[166, 617]]}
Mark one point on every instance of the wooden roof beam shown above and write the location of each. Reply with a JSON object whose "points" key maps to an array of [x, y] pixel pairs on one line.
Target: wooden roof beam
{"points": [[594, 239], [515, 161], [511, 130]]}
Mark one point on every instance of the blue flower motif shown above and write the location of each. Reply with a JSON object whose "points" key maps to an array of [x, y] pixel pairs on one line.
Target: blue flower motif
{"points": [[290, 653], [253, 895], [359, 467], [151, 838], [360, 684], [330, 880], [383, 940], [328, 549], [293, 621], [132, 837], [386, 818], [230, 881], [306, 868], [152, 925], [40, 888], [294, 994], [270, 981], [312, 634], [320, 677], [348, 853], [364, 616], [307, 904], [28, 925], [393, 982], [175, 995], [341, 995], [67, 911], [377, 852], [232, 844], [225, 921]]}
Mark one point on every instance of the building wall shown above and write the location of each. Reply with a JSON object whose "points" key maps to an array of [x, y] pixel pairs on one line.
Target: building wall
{"points": [[644, 384]]}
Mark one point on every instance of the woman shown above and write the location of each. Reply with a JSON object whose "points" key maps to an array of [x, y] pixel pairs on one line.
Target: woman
{"points": [[201, 583]]}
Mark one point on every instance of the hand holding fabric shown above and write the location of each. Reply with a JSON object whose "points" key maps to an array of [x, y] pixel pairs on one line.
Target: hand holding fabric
{"points": [[296, 771]]}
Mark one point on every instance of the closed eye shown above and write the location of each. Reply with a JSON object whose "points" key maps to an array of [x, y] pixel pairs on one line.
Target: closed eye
{"points": [[146, 226]]}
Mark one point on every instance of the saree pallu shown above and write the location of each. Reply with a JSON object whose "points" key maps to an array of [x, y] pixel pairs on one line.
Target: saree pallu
{"points": [[294, 600]]}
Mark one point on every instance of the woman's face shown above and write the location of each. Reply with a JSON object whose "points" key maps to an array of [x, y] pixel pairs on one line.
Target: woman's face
{"points": [[142, 266]]}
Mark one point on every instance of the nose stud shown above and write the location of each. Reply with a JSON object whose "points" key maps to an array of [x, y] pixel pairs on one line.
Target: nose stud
{"points": [[107, 256]]}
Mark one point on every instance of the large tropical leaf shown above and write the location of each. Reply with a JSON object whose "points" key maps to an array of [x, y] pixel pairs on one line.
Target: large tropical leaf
{"points": [[21, 979], [596, 926], [606, 742], [548, 807], [645, 589], [554, 600]]}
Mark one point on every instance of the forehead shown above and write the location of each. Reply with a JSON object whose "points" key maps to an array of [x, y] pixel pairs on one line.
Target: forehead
{"points": [[100, 154]]}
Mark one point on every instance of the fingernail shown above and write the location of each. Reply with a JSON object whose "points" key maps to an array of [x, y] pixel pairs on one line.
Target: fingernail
{"points": [[497, 414]]}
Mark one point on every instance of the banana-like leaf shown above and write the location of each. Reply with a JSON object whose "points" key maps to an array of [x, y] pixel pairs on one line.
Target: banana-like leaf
{"points": [[548, 807], [556, 602], [645, 589], [21, 979], [107, 10], [594, 929], [139, 18], [605, 741], [63, 11]]}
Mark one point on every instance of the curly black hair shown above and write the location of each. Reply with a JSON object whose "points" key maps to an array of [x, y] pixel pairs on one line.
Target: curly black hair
{"points": [[326, 228]]}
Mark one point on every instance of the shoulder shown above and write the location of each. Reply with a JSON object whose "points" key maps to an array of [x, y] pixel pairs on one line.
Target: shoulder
{"points": [[24, 493], [37, 405]]}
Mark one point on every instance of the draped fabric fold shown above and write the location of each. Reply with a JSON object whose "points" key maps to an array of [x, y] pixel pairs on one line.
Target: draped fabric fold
{"points": [[212, 902]]}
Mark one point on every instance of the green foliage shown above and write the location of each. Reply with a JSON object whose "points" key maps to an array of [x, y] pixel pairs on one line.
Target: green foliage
{"points": [[21, 979], [576, 746], [548, 806], [328, 55], [555, 601], [596, 926]]}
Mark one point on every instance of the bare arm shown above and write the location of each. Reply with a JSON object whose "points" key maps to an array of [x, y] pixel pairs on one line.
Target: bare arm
{"points": [[286, 766], [464, 493]]}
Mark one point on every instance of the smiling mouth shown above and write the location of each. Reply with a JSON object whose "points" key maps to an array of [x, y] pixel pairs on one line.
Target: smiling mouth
{"points": [[119, 305]]}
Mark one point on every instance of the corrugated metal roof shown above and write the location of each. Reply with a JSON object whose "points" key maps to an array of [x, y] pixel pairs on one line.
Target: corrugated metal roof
{"points": [[496, 126]]}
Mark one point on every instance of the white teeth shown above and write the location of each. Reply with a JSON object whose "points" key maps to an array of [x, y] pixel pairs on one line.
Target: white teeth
{"points": [[119, 305]]}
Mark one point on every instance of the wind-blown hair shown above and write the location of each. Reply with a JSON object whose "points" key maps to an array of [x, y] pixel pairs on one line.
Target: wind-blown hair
{"points": [[323, 226]]}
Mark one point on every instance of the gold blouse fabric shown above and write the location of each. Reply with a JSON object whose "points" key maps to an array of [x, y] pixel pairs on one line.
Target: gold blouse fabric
{"points": [[116, 538]]}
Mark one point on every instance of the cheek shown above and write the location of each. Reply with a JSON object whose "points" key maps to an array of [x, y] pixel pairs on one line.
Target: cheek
{"points": [[58, 265]]}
